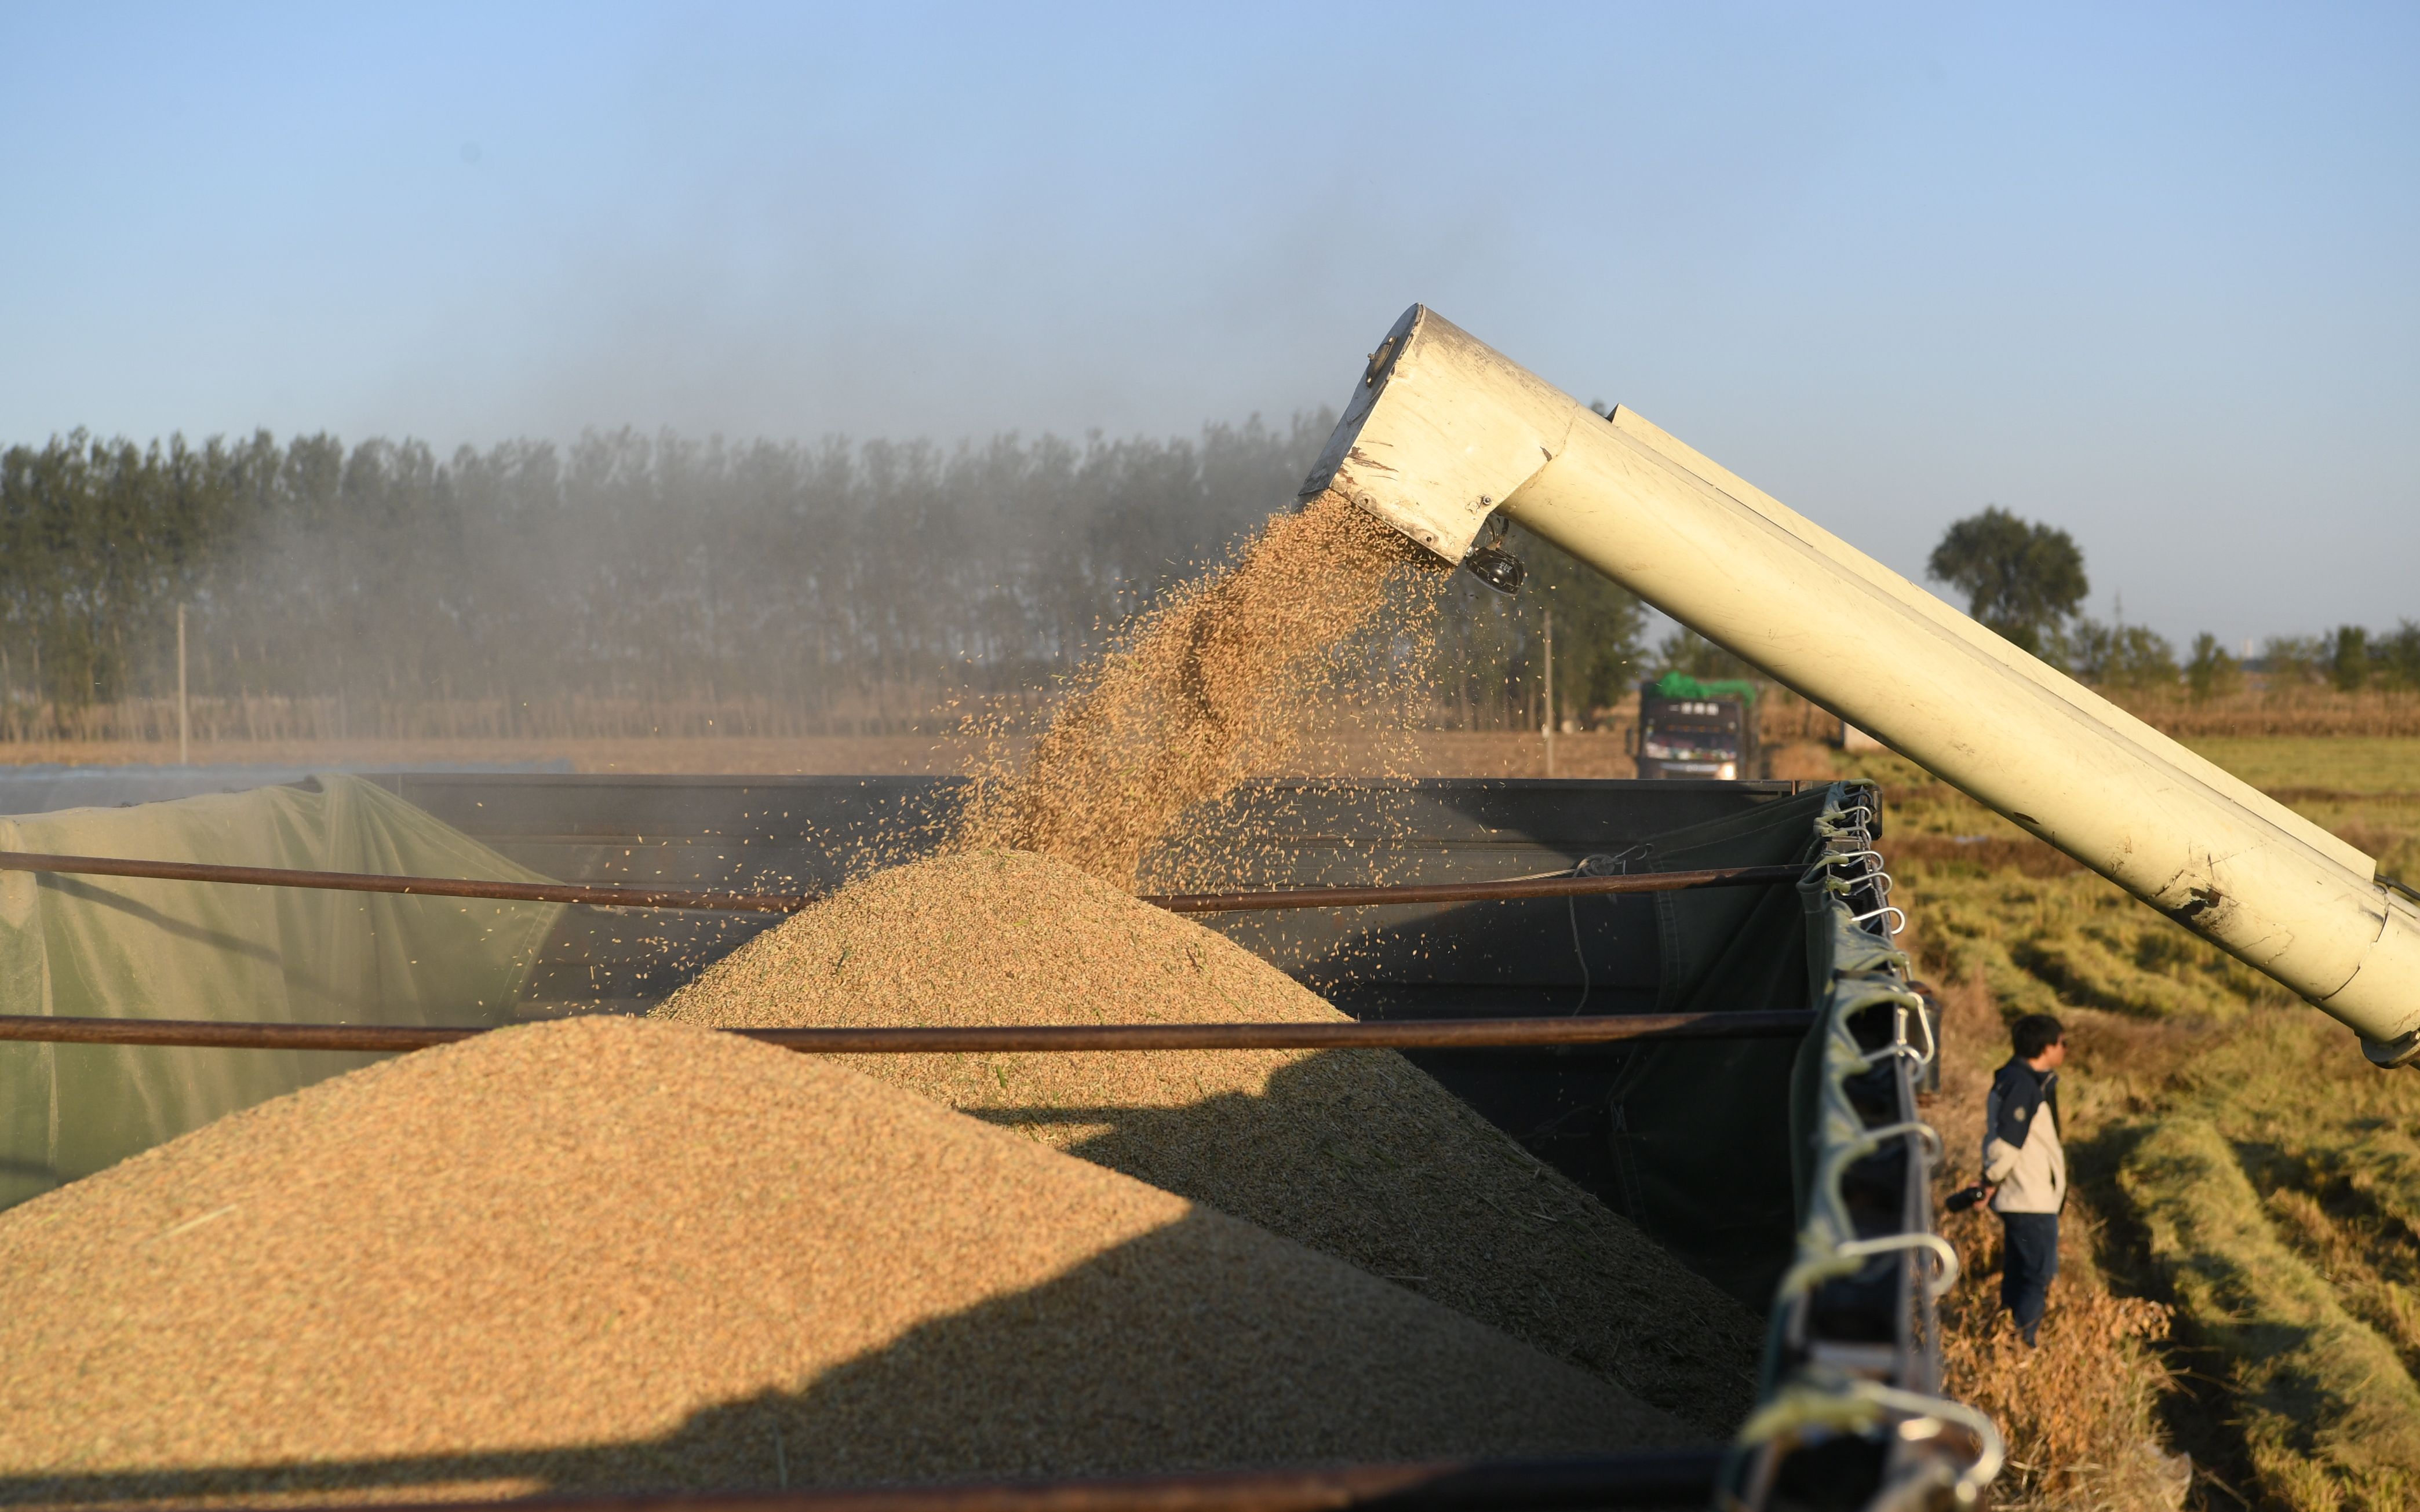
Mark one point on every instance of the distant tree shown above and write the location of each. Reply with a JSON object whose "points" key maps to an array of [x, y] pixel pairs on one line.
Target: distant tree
{"points": [[1686, 651], [852, 583], [1597, 625], [2294, 659], [2349, 664], [2121, 655], [2395, 659], [2022, 580], [2211, 673]]}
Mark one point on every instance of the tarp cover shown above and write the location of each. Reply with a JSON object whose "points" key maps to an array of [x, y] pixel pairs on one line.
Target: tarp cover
{"points": [[1701, 1127], [130, 947]]}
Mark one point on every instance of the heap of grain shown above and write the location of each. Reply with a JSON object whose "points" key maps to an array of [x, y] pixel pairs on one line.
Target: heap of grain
{"points": [[614, 1253], [1199, 692], [1356, 1153]]}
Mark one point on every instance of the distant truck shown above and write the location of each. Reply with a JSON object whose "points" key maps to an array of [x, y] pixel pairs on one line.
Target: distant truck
{"points": [[1687, 727]]}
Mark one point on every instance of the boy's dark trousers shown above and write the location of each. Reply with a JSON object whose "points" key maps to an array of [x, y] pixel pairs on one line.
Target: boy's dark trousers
{"points": [[2029, 1261]]}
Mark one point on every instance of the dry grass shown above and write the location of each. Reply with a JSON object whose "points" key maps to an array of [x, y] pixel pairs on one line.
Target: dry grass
{"points": [[2356, 1254], [2293, 712], [2080, 1412], [2304, 1230], [2329, 1415], [614, 1253]]}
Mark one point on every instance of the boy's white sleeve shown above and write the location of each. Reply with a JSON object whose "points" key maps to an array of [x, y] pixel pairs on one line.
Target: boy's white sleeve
{"points": [[1999, 1159]]}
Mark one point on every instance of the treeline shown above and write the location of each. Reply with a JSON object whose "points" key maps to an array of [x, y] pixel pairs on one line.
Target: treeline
{"points": [[2026, 581], [631, 583], [832, 587], [2135, 659], [2348, 660]]}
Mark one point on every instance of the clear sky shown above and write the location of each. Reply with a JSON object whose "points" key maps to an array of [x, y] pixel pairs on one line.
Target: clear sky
{"points": [[2151, 274]]}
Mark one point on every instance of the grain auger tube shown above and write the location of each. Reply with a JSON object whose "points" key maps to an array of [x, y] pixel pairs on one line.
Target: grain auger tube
{"points": [[1444, 432]]}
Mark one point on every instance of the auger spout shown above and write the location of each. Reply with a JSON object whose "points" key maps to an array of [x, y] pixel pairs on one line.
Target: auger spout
{"points": [[1443, 432]]}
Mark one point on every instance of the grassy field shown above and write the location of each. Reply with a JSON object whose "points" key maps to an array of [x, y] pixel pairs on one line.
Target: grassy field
{"points": [[2242, 1277]]}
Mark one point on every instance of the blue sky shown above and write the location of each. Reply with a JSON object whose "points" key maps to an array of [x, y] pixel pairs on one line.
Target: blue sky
{"points": [[2144, 273]]}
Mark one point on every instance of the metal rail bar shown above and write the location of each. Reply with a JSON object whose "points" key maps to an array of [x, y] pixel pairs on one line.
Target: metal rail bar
{"points": [[535, 892], [627, 897], [1456, 892], [1656, 1478], [1432, 1034]]}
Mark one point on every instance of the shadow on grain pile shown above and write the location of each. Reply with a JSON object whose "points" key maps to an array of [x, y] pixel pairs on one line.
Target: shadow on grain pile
{"points": [[1356, 1153], [609, 1254]]}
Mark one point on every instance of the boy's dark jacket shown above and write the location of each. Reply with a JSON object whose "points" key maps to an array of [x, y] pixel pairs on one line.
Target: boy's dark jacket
{"points": [[2022, 1093]]}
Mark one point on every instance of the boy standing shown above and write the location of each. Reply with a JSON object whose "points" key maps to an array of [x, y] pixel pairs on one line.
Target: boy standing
{"points": [[2025, 1169]]}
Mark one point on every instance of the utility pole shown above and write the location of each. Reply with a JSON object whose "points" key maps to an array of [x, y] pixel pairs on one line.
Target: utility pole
{"points": [[1550, 722], [184, 725]]}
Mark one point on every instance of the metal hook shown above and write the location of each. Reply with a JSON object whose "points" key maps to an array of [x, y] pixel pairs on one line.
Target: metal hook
{"points": [[1858, 1249], [1990, 1450], [1915, 1011], [1895, 929]]}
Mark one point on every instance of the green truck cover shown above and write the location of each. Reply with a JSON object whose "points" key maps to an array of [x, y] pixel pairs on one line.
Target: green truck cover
{"points": [[132, 948], [1682, 686]]}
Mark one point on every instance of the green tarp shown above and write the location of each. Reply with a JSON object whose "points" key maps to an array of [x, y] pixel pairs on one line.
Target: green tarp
{"points": [[126, 948], [1682, 686]]}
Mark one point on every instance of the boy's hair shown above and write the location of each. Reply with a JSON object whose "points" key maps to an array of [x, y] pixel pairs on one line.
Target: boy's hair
{"points": [[2035, 1033]]}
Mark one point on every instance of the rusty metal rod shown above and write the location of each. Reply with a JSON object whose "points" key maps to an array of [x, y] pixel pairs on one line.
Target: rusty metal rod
{"points": [[1410, 1034], [1650, 1478], [759, 903], [1458, 892], [535, 892]]}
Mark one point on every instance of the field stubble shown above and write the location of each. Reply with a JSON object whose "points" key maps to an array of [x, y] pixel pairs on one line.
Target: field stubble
{"points": [[2239, 1275]]}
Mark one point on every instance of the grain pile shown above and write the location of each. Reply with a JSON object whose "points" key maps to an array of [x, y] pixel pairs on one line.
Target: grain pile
{"points": [[1355, 1153], [1199, 695], [609, 1253]]}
